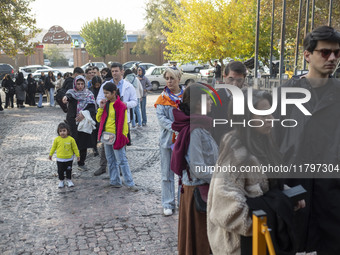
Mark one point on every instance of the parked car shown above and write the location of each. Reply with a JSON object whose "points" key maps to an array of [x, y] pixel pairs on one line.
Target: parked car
{"points": [[100, 65], [155, 75], [26, 70], [146, 66], [193, 66], [36, 75], [47, 62], [207, 73], [70, 62], [6, 69], [129, 64]]}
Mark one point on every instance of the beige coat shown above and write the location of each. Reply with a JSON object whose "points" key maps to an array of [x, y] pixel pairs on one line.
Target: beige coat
{"points": [[227, 211]]}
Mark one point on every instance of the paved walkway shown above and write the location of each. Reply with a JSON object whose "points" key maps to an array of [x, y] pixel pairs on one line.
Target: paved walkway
{"points": [[91, 218]]}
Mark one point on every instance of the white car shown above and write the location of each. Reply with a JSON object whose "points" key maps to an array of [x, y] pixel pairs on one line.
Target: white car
{"points": [[36, 75], [26, 70], [100, 65], [146, 66], [155, 76], [47, 62], [193, 66], [207, 73]]}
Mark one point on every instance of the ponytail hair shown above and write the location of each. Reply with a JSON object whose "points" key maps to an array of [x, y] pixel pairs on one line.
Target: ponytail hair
{"points": [[109, 86]]}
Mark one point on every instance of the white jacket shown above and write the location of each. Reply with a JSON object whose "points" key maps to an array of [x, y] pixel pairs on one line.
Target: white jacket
{"points": [[87, 125]]}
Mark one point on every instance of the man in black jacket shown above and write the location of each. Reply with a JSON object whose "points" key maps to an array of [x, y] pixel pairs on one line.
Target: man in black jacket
{"points": [[315, 140], [217, 71], [68, 83]]}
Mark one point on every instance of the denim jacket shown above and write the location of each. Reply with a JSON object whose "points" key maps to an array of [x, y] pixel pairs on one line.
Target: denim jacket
{"points": [[165, 118], [202, 152]]}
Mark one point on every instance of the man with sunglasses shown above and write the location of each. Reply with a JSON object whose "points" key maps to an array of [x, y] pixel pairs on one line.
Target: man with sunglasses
{"points": [[314, 141]]}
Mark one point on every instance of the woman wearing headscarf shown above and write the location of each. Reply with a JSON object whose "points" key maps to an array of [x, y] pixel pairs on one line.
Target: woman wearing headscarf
{"points": [[165, 104], [194, 151], [20, 89], [9, 86], [96, 83], [81, 104], [31, 90], [146, 86]]}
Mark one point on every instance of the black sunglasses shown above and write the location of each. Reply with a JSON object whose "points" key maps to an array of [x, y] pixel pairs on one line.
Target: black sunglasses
{"points": [[325, 53]]}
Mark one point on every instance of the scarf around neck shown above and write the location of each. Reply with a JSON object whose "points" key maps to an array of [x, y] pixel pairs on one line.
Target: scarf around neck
{"points": [[168, 98], [185, 124]]}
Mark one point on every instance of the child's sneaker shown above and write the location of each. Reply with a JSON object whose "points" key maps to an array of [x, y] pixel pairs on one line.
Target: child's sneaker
{"points": [[69, 183], [61, 184]]}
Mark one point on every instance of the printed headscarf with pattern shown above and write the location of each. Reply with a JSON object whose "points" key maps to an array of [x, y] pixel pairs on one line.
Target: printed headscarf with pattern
{"points": [[83, 97]]}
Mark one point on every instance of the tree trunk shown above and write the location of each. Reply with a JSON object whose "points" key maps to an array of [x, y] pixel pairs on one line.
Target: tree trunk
{"points": [[16, 67]]}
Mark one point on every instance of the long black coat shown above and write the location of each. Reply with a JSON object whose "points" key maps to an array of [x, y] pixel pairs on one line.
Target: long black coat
{"points": [[83, 139], [316, 140]]}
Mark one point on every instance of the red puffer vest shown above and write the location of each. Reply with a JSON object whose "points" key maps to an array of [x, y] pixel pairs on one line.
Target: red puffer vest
{"points": [[120, 108]]}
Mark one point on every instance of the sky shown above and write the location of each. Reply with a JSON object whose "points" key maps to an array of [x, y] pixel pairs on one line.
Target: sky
{"points": [[73, 14]]}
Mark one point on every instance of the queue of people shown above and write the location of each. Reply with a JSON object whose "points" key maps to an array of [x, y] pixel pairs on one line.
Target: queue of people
{"points": [[215, 206], [309, 225], [25, 90]]}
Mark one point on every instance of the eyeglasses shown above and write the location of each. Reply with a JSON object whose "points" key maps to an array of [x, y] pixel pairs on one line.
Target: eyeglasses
{"points": [[238, 81], [325, 53]]}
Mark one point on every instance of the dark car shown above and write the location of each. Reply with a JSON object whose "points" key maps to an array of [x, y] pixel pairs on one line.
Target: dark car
{"points": [[6, 69]]}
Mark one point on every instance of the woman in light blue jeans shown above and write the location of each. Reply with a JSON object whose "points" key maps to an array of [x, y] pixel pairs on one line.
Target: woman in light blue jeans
{"points": [[146, 87], [132, 78], [50, 86], [136, 113], [165, 104]]}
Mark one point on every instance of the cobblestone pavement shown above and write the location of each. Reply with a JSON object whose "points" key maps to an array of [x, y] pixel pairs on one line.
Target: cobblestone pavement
{"points": [[91, 218]]}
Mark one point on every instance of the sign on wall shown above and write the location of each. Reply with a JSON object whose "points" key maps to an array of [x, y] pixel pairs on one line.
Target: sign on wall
{"points": [[56, 35]]}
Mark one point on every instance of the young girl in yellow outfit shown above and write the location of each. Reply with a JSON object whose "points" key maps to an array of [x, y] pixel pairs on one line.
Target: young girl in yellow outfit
{"points": [[66, 147]]}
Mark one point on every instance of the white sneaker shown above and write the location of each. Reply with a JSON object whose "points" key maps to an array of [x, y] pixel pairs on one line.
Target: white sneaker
{"points": [[61, 184], [167, 212], [69, 183]]}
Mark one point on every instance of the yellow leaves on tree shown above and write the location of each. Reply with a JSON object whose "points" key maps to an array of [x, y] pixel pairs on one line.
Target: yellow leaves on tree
{"points": [[216, 29]]}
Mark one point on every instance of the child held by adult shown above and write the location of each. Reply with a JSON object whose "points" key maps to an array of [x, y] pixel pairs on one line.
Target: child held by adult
{"points": [[66, 148]]}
